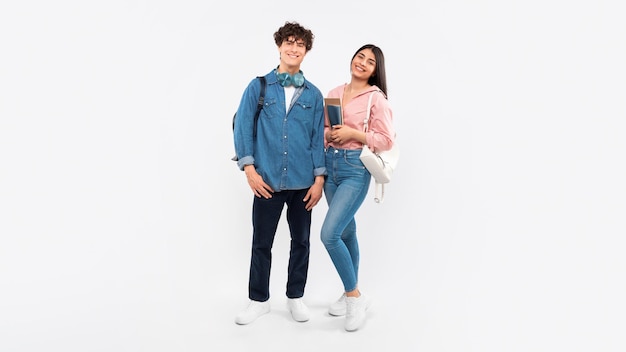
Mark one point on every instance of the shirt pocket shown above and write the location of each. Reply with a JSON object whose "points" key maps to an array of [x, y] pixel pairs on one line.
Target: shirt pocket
{"points": [[271, 109], [302, 109]]}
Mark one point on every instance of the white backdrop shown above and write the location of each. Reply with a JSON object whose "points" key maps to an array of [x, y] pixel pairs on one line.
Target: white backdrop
{"points": [[125, 227]]}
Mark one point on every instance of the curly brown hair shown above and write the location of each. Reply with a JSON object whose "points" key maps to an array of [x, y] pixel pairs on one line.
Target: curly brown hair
{"points": [[294, 29]]}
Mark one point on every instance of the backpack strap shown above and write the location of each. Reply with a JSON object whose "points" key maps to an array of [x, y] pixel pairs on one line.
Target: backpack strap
{"points": [[368, 112], [260, 103], [379, 194]]}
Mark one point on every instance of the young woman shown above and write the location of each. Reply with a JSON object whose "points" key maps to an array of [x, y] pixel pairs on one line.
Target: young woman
{"points": [[348, 181]]}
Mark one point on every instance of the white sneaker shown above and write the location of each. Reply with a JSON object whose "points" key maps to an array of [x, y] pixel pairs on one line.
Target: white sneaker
{"points": [[338, 308], [299, 311], [254, 310], [355, 312]]}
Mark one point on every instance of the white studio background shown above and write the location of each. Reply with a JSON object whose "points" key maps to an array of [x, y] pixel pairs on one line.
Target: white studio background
{"points": [[124, 226]]}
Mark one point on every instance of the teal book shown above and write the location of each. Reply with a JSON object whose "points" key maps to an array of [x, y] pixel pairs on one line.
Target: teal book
{"points": [[333, 111]]}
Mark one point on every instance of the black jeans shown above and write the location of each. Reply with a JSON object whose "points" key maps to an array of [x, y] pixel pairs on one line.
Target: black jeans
{"points": [[265, 217]]}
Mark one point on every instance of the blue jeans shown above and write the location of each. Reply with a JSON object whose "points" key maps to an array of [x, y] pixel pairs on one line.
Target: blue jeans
{"points": [[265, 217], [345, 189]]}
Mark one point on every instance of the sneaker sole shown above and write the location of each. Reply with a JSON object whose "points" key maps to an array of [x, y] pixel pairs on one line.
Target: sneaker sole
{"points": [[337, 313], [342, 312]]}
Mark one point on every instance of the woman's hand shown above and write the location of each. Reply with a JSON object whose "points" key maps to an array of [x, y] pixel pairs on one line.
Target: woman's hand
{"points": [[341, 134]]}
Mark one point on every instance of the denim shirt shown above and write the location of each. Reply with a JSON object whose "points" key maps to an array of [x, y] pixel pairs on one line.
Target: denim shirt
{"points": [[288, 151]]}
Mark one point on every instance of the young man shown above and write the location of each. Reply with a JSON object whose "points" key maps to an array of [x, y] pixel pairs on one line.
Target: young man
{"points": [[284, 165]]}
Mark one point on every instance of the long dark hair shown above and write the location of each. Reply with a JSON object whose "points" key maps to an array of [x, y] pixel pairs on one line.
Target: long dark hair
{"points": [[379, 78]]}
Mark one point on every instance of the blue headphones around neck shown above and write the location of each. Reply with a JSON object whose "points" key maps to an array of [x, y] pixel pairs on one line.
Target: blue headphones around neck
{"points": [[285, 79]]}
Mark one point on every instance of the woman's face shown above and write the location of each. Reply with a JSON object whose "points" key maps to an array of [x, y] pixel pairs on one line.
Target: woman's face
{"points": [[364, 64]]}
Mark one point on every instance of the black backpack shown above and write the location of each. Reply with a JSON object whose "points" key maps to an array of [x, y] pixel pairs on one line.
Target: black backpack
{"points": [[259, 106]]}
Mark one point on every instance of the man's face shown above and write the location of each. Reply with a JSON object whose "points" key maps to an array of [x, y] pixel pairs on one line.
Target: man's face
{"points": [[292, 52]]}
